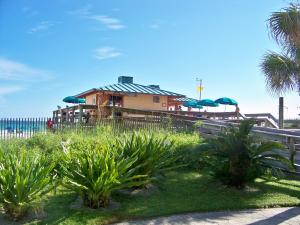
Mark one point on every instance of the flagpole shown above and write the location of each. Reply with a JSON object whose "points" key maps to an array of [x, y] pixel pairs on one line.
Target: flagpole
{"points": [[200, 88]]}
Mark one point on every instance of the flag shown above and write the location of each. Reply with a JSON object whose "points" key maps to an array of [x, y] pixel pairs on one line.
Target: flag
{"points": [[200, 88]]}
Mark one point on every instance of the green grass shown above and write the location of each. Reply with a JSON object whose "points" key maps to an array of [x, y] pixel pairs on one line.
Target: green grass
{"points": [[181, 192]]}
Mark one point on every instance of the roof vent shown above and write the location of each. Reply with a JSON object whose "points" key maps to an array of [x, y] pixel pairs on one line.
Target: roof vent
{"points": [[125, 80], [154, 86]]}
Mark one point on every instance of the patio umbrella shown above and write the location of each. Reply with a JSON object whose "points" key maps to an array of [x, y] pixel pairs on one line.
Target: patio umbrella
{"points": [[208, 102], [192, 104], [74, 100], [226, 101]]}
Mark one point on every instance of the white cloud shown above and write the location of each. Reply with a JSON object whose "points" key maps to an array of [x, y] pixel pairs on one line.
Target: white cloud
{"points": [[109, 22], [107, 53], [41, 26], [15, 71]]}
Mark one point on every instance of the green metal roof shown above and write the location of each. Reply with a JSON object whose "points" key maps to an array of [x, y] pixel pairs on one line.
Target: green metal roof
{"points": [[134, 89]]}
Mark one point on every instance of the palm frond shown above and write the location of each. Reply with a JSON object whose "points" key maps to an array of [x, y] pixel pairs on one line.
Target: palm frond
{"points": [[285, 25], [281, 73]]}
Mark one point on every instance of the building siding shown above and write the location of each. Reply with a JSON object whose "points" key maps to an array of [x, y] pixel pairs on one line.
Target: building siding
{"points": [[141, 101], [90, 99]]}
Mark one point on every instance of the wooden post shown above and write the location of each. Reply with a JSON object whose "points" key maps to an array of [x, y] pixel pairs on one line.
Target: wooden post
{"points": [[61, 115], [281, 116], [73, 115], [292, 149], [67, 115], [113, 113], [80, 113]]}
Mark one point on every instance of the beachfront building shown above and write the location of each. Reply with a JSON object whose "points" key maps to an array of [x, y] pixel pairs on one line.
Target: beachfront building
{"points": [[124, 94], [127, 94]]}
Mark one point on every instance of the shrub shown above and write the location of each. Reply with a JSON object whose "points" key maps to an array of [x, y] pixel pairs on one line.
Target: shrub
{"points": [[236, 157], [47, 143], [187, 148], [24, 178], [94, 171], [153, 152]]}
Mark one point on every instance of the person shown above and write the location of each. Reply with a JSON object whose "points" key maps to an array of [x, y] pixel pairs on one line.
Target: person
{"points": [[49, 124], [237, 111]]}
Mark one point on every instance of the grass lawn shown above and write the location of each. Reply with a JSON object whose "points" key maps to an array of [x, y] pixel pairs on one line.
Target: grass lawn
{"points": [[181, 192]]}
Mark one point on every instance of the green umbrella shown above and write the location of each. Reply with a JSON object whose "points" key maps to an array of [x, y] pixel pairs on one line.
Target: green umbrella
{"points": [[74, 100], [192, 104], [208, 102], [226, 101]]}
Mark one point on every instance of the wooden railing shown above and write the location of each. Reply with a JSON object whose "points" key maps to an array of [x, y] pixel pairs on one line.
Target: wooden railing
{"points": [[289, 138]]}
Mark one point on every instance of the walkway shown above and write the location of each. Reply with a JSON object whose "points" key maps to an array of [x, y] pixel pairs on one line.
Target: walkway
{"points": [[273, 216]]}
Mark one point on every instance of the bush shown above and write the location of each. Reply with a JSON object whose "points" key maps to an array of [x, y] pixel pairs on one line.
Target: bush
{"points": [[24, 178], [154, 153], [94, 171], [47, 143], [187, 148], [236, 157]]}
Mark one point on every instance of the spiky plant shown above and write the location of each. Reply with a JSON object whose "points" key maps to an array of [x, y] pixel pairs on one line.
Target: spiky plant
{"points": [[153, 152], [237, 157], [94, 171], [25, 177]]}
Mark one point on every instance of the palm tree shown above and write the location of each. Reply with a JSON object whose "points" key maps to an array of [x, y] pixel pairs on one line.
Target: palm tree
{"points": [[282, 70]]}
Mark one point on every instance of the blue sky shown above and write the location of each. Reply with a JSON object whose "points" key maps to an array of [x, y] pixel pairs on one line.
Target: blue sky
{"points": [[52, 49]]}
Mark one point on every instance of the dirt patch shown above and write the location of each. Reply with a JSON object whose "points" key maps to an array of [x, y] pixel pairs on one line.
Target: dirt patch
{"points": [[31, 216], [146, 191], [78, 205]]}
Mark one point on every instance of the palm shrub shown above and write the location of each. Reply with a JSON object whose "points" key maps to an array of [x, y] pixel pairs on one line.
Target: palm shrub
{"points": [[24, 178], [154, 153], [236, 156], [94, 171]]}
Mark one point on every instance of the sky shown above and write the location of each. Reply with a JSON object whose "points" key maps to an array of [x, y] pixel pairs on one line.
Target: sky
{"points": [[53, 49]]}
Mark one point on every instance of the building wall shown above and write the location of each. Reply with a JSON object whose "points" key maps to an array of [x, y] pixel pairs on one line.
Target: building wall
{"points": [[91, 99], [141, 101]]}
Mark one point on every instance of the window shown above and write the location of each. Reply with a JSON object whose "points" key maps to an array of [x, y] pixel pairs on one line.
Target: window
{"points": [[156, 99], [94, 101]]}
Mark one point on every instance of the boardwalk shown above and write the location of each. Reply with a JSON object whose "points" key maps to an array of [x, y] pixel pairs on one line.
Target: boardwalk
{"points": [[284, 216]]}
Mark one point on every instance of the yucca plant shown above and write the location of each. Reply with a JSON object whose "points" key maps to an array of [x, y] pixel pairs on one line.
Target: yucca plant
{"points": [[236, 156], [24, 178], [93, 170], [153, 152]]}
